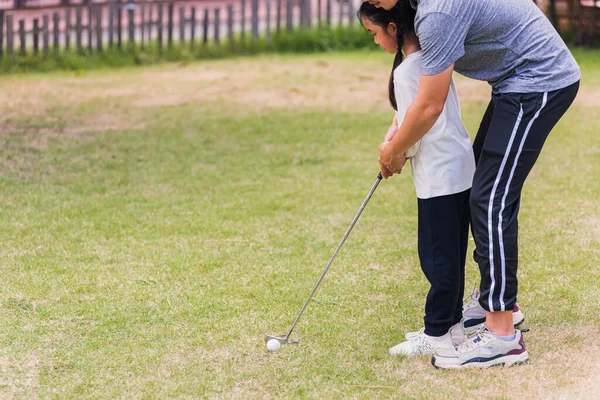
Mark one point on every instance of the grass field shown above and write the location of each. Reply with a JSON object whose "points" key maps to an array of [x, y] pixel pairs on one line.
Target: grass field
{"points": [[157, 222]]}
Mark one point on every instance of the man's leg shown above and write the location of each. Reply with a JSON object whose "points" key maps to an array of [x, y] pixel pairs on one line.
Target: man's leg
{"points": [[518, 128]]}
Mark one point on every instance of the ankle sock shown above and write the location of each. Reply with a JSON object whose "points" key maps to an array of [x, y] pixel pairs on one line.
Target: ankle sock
{"points": [[508, 338]]}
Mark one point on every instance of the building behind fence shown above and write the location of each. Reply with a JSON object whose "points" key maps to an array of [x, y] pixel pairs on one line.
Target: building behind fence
{"points": [[93, 27]]}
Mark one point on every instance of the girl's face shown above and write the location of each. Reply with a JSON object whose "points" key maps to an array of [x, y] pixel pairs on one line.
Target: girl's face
{"points": [[385, 38]]}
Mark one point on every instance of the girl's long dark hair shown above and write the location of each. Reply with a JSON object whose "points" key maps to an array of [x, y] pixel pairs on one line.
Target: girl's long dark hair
{"points": [[403, 16]]}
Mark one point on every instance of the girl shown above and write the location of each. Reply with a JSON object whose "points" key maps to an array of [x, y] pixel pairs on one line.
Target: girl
{"points": [[442, 164]]}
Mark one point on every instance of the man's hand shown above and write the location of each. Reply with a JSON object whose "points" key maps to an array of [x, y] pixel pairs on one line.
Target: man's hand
{"points": [[390, 163]]}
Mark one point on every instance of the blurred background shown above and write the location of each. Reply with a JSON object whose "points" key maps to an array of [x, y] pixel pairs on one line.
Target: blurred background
{"points": [[198, 28]]}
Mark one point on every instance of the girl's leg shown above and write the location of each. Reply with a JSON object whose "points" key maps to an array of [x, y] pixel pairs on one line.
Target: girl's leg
{"points": [[443, 229], [464, 244]]}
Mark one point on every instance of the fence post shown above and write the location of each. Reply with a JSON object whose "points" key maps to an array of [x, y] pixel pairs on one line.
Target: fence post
{"points": [[111, 23], [119, 25], [90, 15], [150, 22], [78, 29], [217, 26], [243, 20], [143, 24], [99, 28], [46, 34], [319, 12], [593, 24], [1, 33], [10, 40], [268, 5], [193, 27], [56, 32], [170, 25], [36, 36], [68, 27], [579, 24], [159, 28], [22, 36], [351, 13], [182, 25], [290, 15], [230, 24], [278, 24], [131, 25], [205, 27], [254, 20]]}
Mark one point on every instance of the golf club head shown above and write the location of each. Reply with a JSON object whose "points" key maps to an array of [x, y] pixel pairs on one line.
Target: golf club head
{"points": [[282, 340]]}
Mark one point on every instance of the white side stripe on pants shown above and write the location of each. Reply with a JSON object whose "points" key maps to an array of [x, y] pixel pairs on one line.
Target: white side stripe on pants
{"points": [[512, 172], [491, 204]]}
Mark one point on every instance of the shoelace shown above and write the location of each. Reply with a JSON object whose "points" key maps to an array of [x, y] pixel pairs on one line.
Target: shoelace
{"points": [[471, 343], [418, 335], [472, 299]]}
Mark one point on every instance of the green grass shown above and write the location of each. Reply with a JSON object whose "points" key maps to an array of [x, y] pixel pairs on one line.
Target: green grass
{"points": [[149, 260]]}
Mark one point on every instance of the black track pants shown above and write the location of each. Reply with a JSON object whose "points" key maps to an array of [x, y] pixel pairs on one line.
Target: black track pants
{"points": [[508, 143], [443, 238]]}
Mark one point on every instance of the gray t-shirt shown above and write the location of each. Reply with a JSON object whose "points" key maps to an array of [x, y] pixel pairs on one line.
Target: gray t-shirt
{"points": [[509, 43]]}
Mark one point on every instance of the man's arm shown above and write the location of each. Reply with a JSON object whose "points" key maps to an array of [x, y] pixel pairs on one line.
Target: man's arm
{"points": [[419, 119]]}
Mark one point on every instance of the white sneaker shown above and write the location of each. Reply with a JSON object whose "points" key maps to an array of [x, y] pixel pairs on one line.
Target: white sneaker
{"points": [[423, 344], [474, 314], [457, 332]]}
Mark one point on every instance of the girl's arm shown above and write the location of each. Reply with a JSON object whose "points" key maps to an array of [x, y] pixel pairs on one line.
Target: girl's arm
{"points": [[392, 130], [419, 119]]}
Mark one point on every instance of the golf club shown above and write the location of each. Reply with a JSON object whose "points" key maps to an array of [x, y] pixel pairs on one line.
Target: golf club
{"points": [[286, 338]]}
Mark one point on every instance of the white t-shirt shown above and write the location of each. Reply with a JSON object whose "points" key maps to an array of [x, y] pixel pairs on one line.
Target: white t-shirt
{"points": [[442, 161]]}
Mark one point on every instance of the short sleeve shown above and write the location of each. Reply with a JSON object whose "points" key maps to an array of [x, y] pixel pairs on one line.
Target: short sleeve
{"points": [[442, 39], [405, 95]]}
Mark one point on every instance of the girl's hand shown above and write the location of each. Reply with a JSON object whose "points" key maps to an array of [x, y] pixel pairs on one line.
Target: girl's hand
{"points": [[392, 163], [385, 173]]}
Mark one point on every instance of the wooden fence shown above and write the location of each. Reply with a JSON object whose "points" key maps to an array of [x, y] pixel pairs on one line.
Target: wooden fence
{"points": [[93, 27], [97, 26]]}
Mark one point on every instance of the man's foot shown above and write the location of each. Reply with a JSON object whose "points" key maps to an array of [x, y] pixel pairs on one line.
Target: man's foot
{"points": [[474, 314], [457, 332], [484, 350], [422, 344]]}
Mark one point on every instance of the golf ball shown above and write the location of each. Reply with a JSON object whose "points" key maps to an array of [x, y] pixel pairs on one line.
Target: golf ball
{"points": [[273, 345]]}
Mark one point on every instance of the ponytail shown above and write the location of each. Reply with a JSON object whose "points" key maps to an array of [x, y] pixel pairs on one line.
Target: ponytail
{"points": [[403, 16]]}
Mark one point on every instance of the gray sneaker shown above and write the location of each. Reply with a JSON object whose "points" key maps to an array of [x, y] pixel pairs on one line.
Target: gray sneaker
{"points": [[474, 314], [483, 350]]}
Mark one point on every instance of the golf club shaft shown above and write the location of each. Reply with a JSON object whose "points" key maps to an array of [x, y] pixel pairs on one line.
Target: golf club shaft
{"points": [[360, 210]]}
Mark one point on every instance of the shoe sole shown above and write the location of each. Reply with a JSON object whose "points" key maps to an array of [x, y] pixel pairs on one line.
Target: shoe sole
{"points": [[506, 361]]}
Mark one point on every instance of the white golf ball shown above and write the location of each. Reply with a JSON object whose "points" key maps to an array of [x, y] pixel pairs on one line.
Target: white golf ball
{"points": [[273, 345]]}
